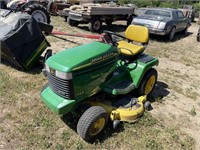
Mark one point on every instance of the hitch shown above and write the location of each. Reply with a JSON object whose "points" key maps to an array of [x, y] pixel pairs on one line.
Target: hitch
{"points": [[101, 38]]}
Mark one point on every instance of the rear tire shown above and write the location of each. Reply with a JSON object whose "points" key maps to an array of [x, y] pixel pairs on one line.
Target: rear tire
{"points": [[147, 83], [171, 34], [129, 20], [72, 23], [185, 30], [92, 122], [52, 8], [38, 12], [95, 25], [198, 35]]}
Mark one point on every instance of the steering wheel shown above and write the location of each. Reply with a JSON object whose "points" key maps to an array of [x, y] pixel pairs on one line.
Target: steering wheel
{"points": [[114, 37]]}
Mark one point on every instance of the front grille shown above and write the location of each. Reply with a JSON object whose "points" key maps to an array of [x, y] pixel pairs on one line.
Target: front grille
{"points": [[61, 87]]}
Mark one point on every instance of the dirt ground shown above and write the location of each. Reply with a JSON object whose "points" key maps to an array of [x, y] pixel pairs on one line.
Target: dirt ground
{"points": [[178, 85], [181, 105]]}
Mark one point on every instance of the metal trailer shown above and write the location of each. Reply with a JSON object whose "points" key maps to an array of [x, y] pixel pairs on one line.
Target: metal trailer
{"points": [[95, 14]]}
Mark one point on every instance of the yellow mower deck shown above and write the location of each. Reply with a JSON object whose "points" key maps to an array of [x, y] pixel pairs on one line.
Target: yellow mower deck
{"points": [[125, 111]]}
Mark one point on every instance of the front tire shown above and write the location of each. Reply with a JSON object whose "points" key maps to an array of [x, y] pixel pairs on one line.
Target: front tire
{"points": [[92, 122], [38, 12], [148, 82]]}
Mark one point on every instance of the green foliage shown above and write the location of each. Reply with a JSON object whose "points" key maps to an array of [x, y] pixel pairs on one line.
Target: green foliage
{"points": [[152, 144], [193, 112], [169, 5], [157, 3], [196, 6], [141, 3]]}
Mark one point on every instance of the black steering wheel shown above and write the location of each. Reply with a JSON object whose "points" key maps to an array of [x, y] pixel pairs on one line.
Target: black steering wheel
{"points": [[114, 37]]}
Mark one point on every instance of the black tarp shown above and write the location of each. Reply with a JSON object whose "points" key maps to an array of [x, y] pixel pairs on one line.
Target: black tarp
{"points": [[20, 37]]}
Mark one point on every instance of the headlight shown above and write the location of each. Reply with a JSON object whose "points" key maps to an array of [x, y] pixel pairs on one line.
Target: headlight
{"points": [[63, 75], [59, 74], [162, 25]]}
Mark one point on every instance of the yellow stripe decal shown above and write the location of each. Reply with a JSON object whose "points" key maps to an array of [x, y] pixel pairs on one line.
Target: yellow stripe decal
{"points": [[41, 47]]}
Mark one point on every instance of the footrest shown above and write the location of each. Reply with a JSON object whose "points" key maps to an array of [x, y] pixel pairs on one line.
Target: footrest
{"points": [[122, 87]]}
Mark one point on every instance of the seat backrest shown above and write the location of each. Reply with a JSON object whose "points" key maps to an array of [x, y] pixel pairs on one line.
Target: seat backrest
{"points": [[137, 33]]}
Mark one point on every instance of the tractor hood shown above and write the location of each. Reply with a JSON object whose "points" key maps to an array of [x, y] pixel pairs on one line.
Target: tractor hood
{"points": [[82, 56]]}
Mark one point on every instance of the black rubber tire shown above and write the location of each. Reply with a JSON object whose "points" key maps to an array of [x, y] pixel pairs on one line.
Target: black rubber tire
{"points": [[37, 7], [88, 119], [52, 8], [141, 89], [95, 25], [198, 35], [109, 22], [185, 30], [171, 34], [147, 105], [72, 23], [193, 17], [129, 20], [3, 5], [48, 54]]}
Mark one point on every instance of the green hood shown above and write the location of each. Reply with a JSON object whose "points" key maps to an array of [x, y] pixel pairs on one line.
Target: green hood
{"points": [[81, 56]]}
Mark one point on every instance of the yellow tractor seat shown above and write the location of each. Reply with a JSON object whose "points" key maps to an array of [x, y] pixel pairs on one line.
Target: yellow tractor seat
{"points": [[129, 48], [137, 34]]}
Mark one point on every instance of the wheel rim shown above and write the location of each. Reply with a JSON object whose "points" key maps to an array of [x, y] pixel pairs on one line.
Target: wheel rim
{"points": [[172, 33], [97, 25], [150, 84], [39, 16], [97, 126]]}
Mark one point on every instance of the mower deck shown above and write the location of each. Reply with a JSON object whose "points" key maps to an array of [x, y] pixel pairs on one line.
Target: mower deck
{"points": [[125, 109]]}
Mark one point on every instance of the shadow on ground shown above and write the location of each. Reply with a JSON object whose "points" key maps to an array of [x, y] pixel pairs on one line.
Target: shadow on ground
{"points": [[109, 131], [35, 69], [159, 92], [113, 28], [64, 39], [177, 37]]}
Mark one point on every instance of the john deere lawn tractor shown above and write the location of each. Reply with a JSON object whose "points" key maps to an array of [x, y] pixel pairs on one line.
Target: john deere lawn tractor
{"points": [[97, 81]]}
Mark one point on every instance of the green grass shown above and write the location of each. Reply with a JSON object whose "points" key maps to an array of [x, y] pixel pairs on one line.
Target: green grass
{"points": [[33, 125], [26, 123], [193, 112]]}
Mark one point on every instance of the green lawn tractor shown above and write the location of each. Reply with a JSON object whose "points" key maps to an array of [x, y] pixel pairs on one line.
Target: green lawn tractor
{"points": [[96, 81]]}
